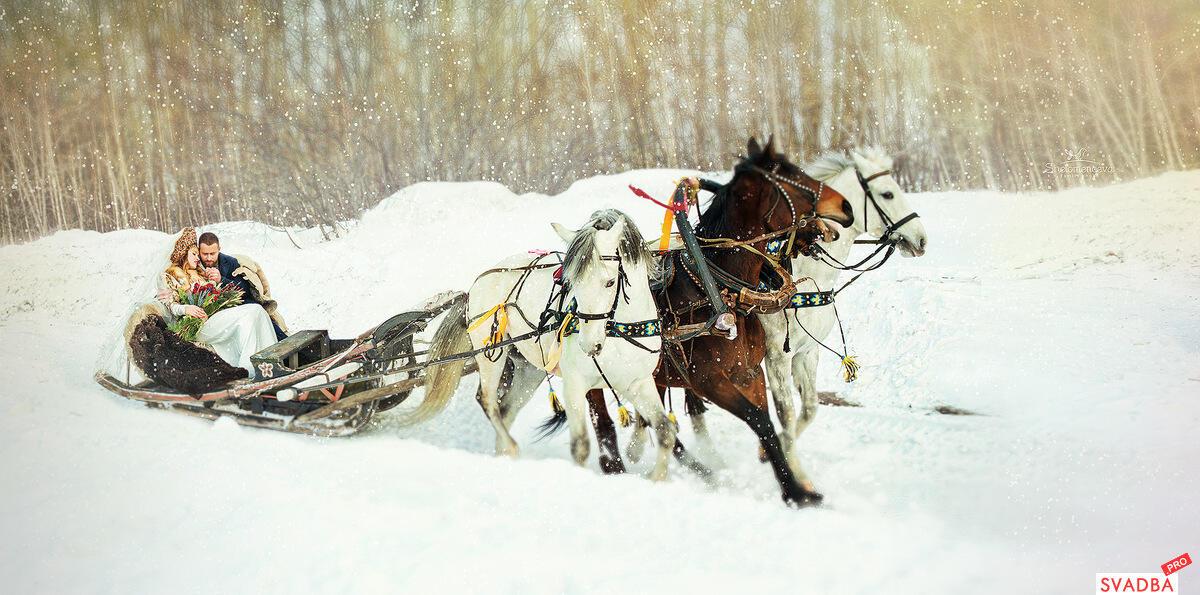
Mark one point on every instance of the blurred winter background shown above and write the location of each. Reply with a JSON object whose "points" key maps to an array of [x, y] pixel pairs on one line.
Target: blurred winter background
{"points": [[138, 113]]}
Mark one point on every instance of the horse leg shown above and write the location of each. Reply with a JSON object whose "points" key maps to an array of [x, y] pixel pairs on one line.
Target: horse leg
{"points": [[574, 402], [695, 409], [748, 401], [637, 442], [491, 374], [524, 380], [606, 433], [779, 382], [804, 374], [644, 397]]}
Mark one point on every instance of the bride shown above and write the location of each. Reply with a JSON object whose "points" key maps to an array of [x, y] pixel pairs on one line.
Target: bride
{"points": [[233, 333]]}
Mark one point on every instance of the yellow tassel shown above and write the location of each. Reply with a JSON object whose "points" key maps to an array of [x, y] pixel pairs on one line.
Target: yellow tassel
{"points": [[850, 368], [674, 421], [554, 402], [664, 242], [623, 416]]}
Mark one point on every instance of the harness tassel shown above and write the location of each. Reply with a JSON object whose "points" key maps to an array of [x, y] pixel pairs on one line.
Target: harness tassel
{"points": [[624, 417], [674, 421], [850, 368], [555, 404]]}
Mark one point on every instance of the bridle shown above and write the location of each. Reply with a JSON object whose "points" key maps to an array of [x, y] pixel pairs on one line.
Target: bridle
{"points": [[869, 195], [622, 279], [778, 180], [886, 240]]}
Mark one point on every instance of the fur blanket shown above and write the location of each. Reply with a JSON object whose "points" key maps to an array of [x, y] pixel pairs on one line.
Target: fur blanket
{"points": [[169, 360]]}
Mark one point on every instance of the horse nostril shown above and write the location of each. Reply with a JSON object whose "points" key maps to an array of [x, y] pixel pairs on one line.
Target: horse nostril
{"points": [[923, 242]]}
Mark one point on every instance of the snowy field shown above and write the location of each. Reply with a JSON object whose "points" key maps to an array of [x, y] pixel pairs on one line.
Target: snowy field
{"points": [[1069, 322]]}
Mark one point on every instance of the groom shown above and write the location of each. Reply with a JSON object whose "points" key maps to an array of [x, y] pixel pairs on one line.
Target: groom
{"points": [[242, 272]]}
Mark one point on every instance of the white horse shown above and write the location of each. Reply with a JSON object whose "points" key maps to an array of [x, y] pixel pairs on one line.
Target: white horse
{"points": [[791, 371], [601, 331]]}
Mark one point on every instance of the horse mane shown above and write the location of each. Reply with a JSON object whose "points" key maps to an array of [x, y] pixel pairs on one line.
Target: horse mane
{"points": [[877, 155], [828, 166], [581, 253], [714, 221]]}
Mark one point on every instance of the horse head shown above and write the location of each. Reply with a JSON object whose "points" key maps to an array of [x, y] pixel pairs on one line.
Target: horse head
{"points": [[595, 272], [885, 206], [767, 172]]}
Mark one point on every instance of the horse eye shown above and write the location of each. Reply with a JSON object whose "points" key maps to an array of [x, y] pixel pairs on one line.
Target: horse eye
{"points": [[888, 195], [610, 283]]}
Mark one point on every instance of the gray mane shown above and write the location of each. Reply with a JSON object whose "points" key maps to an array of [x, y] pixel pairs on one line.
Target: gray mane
{"points": [[581, 254]]}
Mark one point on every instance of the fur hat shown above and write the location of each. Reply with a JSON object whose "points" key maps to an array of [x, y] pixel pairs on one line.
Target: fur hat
{"points": [[187, 239]]}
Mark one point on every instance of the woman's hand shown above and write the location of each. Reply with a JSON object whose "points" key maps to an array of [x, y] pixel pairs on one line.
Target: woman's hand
{"points": [[195, 312], [165, 295], [213, 274]]}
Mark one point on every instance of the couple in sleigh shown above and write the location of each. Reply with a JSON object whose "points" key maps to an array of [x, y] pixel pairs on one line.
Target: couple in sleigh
{"points": [[209, 312]]}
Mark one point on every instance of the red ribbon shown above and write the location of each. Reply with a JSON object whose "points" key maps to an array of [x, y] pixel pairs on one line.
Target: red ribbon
{"points": [[670, 207]]}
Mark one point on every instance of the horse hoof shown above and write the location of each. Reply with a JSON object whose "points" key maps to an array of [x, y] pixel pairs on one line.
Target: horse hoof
{"points": [[804, 499], [611, 466]]}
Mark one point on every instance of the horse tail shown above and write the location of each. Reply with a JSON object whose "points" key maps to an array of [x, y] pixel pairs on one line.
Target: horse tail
{"points": [[441, 381], [552, 425]]}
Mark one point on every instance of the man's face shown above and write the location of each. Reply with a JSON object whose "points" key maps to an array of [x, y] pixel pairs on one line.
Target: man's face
{"points": [[209, 254]]}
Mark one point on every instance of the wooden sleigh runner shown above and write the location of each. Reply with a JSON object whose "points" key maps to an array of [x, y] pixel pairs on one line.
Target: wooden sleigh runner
{"points": [[312, 384]]}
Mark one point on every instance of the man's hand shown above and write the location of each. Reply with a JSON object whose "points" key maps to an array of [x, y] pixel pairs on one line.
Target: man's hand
{"points": [[195, 312], [165, 295], [213, 274]]}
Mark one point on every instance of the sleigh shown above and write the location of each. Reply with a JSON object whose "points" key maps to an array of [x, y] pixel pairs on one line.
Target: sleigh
{"points": [[310, 383]]}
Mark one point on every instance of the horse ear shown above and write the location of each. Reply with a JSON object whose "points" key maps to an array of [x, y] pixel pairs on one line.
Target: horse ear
{"points": [[769, 150], [861, 162], [752, 148], [564, 233]]}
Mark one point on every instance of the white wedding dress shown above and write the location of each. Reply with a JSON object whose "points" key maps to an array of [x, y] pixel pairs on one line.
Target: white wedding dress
{"points": [[237, 333]]}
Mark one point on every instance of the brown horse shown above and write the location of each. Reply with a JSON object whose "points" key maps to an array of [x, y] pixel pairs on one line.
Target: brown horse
{"points": [[729, 372]]}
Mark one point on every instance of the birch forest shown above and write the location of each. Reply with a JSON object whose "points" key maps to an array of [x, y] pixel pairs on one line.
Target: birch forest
{"points": [[159, 114]]}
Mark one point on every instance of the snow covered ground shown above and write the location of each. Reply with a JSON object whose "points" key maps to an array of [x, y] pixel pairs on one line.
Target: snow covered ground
{"points": [[1069, 321]]}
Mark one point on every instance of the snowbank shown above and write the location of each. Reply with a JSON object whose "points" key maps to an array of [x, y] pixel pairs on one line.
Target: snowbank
{"points": [[1068, 321]]}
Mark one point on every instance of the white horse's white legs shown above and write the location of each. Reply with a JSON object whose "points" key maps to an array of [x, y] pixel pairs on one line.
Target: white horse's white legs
{"points": [[643, 395], [779, 381], [490, 374], [574, 401], [804, 374], [526, 378], [704, 441], [637, 442]]}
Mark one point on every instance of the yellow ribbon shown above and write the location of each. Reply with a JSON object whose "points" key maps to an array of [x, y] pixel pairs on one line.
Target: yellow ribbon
{"points": [[501, 314], [664, 242], [555, 354]]}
